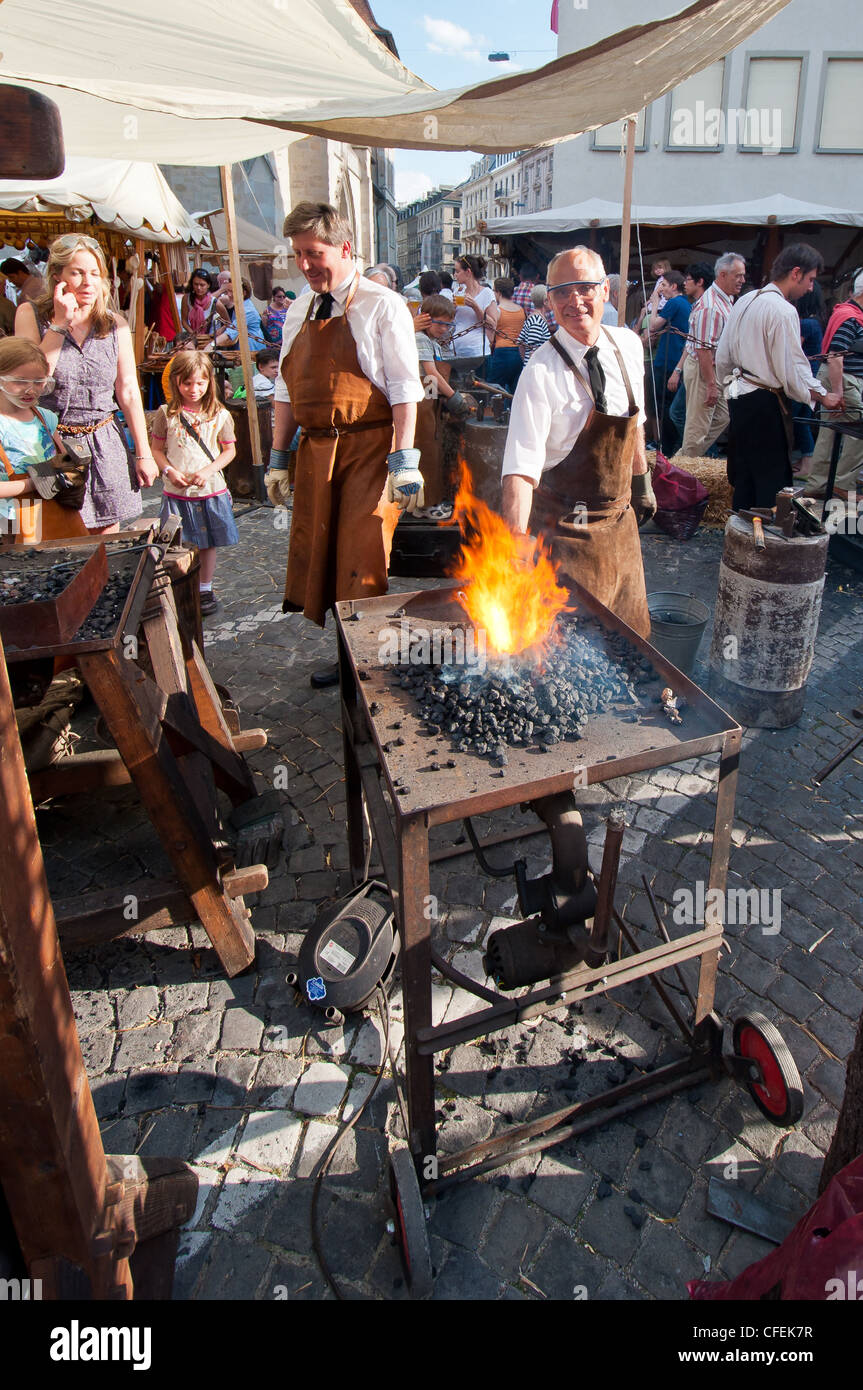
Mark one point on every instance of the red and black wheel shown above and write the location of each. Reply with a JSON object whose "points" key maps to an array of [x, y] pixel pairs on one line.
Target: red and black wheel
{"points": [[410, 1223], [775, 1085]]}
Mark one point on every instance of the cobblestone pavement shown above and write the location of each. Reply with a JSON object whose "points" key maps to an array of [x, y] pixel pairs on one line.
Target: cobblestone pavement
{"points": [[240, 1080]]}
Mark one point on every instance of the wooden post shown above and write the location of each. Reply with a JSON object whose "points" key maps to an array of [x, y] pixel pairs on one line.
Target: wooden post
{"points": [[242, 330], [52, 1163], [140, 325], [626, 222]]}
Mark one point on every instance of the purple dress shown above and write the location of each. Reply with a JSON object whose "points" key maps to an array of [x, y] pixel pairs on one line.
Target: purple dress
{"points": [[84, 393]]}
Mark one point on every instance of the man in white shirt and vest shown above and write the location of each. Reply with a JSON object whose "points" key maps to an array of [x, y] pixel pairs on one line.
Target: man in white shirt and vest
{"points": [[575, 466], [349, 378], [761, 363]]}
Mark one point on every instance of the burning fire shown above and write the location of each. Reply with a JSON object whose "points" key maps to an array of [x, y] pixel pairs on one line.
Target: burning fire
{"points": [[511, 588]]}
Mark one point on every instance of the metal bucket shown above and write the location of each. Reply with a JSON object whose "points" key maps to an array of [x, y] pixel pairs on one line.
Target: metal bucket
{"points": [[767, 610], [677, 623]]}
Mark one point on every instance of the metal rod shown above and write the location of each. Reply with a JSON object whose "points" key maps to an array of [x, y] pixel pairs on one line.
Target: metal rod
{"points": [[656, 984], [614, 828], [840, 758], [664, 933], [437, 856], [487, 868], [514, 1149], [463, 981]]}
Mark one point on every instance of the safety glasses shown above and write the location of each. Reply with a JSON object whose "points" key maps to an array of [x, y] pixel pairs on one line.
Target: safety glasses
{"points": [[585, 289], [19, 384]]}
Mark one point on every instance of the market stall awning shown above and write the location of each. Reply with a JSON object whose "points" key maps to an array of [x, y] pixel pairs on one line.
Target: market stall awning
{"points": [[775, 209], [314, 67], [129, 196]]}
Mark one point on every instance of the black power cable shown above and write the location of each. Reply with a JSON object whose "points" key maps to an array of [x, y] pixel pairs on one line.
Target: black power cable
{"points": [[332, 1148]]}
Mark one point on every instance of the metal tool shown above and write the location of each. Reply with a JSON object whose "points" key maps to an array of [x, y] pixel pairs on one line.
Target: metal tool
{"points": [[758, 516], [739, 1208]]}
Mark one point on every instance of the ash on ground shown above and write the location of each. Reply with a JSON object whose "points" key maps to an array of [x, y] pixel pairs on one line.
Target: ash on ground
{"points": [[525, 704]]}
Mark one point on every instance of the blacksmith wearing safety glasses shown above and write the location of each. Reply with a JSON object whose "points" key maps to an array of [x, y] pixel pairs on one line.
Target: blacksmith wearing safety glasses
{"points": [[575, 467]]}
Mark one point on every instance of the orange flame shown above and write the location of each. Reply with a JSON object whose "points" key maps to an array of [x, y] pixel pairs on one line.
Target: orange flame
{"points": [[511, 588]]}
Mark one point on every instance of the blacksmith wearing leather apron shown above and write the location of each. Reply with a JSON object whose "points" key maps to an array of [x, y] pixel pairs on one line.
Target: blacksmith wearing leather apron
{"points": [[342, 527], [603, 555]]}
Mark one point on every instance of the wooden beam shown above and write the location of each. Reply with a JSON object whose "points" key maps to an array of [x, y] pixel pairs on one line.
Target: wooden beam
{"points": [[626, 224], [242, 330], [52, 1163]]}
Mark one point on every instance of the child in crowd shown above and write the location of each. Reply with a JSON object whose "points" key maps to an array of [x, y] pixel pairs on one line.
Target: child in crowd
{"points": [[437, 316], [26, 445], [193, 440], [267, 363]]}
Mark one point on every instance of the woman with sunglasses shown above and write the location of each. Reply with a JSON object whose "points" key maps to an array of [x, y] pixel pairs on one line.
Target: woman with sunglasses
{"points": [[89, 352]]}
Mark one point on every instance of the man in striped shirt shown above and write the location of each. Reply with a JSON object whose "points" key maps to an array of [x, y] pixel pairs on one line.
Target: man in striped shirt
{"points": [[527, 283], [706, 410], [842, 372]]}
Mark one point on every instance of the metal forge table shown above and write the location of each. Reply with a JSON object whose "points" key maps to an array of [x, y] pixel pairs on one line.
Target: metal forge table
{"points": [[392, 746]]}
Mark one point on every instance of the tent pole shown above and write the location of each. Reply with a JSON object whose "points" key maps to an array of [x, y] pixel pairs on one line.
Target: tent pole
{"points": [[140, 325], [626, 224], [242, 329]]}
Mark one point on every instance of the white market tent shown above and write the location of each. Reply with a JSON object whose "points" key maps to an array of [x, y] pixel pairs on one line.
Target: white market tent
{"points": [[776, 209], [127, 195], [128, 75]]}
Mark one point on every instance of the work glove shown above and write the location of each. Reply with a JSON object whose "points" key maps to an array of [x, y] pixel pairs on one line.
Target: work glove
{"points": [[46, 481], [277, 476], [73, 469], [405, 482], [643, 498], [458, 405]]}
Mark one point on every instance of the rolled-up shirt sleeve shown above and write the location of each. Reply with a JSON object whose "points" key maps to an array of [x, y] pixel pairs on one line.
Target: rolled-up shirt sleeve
{"points": [[398, 349], [529, 424]]}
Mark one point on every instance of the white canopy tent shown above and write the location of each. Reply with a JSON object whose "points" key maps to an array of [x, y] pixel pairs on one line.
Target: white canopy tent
{"points": [[131, 75], [775, 209], [315, 67], [127, 195]]}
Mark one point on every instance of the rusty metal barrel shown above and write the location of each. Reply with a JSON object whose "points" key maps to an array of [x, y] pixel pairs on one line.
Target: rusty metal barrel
{"points": [[765, 624], [483, 443]]}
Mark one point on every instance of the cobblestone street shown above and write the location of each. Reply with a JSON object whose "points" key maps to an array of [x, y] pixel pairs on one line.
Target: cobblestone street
{"points": [[242, 1081]]}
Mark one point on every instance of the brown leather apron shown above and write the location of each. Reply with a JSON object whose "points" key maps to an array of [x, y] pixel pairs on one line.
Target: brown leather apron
{"points": [[603, 555], [429, 440], [342, 528]]}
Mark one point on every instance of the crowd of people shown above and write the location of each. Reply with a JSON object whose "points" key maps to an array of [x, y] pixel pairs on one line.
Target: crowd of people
{"points": [[703, 362]]}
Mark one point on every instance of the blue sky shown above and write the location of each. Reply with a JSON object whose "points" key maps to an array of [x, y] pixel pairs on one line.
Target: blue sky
{"points": [[436, 43]]}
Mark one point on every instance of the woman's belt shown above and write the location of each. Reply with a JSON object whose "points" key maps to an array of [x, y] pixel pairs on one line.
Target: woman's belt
{"points": [[334, 431], [84, 429]]}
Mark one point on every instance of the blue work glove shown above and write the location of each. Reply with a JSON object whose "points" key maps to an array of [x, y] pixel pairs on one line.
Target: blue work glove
{"points": [[405, 482]]}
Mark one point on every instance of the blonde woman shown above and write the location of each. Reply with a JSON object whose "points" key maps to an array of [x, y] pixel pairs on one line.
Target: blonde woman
{"points": [[90, 355]]}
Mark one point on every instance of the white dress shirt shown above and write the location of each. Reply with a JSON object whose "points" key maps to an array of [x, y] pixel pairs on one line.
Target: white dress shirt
{"points": [[383, 330], [762, 338], [551, 407]]}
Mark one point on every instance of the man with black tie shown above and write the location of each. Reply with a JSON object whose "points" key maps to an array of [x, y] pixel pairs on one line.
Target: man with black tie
{"points": [[349, 378], [575, 466]]}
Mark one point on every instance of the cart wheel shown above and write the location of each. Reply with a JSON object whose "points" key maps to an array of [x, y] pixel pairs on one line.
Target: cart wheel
{"points": [[780, 1095], [410, 1223]]}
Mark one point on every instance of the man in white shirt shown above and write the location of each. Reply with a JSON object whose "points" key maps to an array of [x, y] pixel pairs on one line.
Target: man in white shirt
{"points": [[575, 466], [706, 411], [349, 377], [761, 363]]}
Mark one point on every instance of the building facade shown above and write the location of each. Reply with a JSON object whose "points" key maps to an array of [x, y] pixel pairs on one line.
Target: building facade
{"points": [[779, 114], [503, 185], [429, 232]]}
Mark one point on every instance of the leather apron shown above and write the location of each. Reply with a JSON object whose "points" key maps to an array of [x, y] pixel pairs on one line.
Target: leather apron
{"points": [[342, 526], [429, 439], [603, 555]]}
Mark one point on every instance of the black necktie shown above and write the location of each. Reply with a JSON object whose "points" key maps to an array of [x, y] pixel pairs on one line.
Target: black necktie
{"points": [[596, 377], [325, 308]]}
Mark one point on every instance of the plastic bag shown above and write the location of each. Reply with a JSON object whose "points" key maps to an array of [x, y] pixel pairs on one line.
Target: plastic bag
{"points": [[821, 1259], [674, 487]]}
